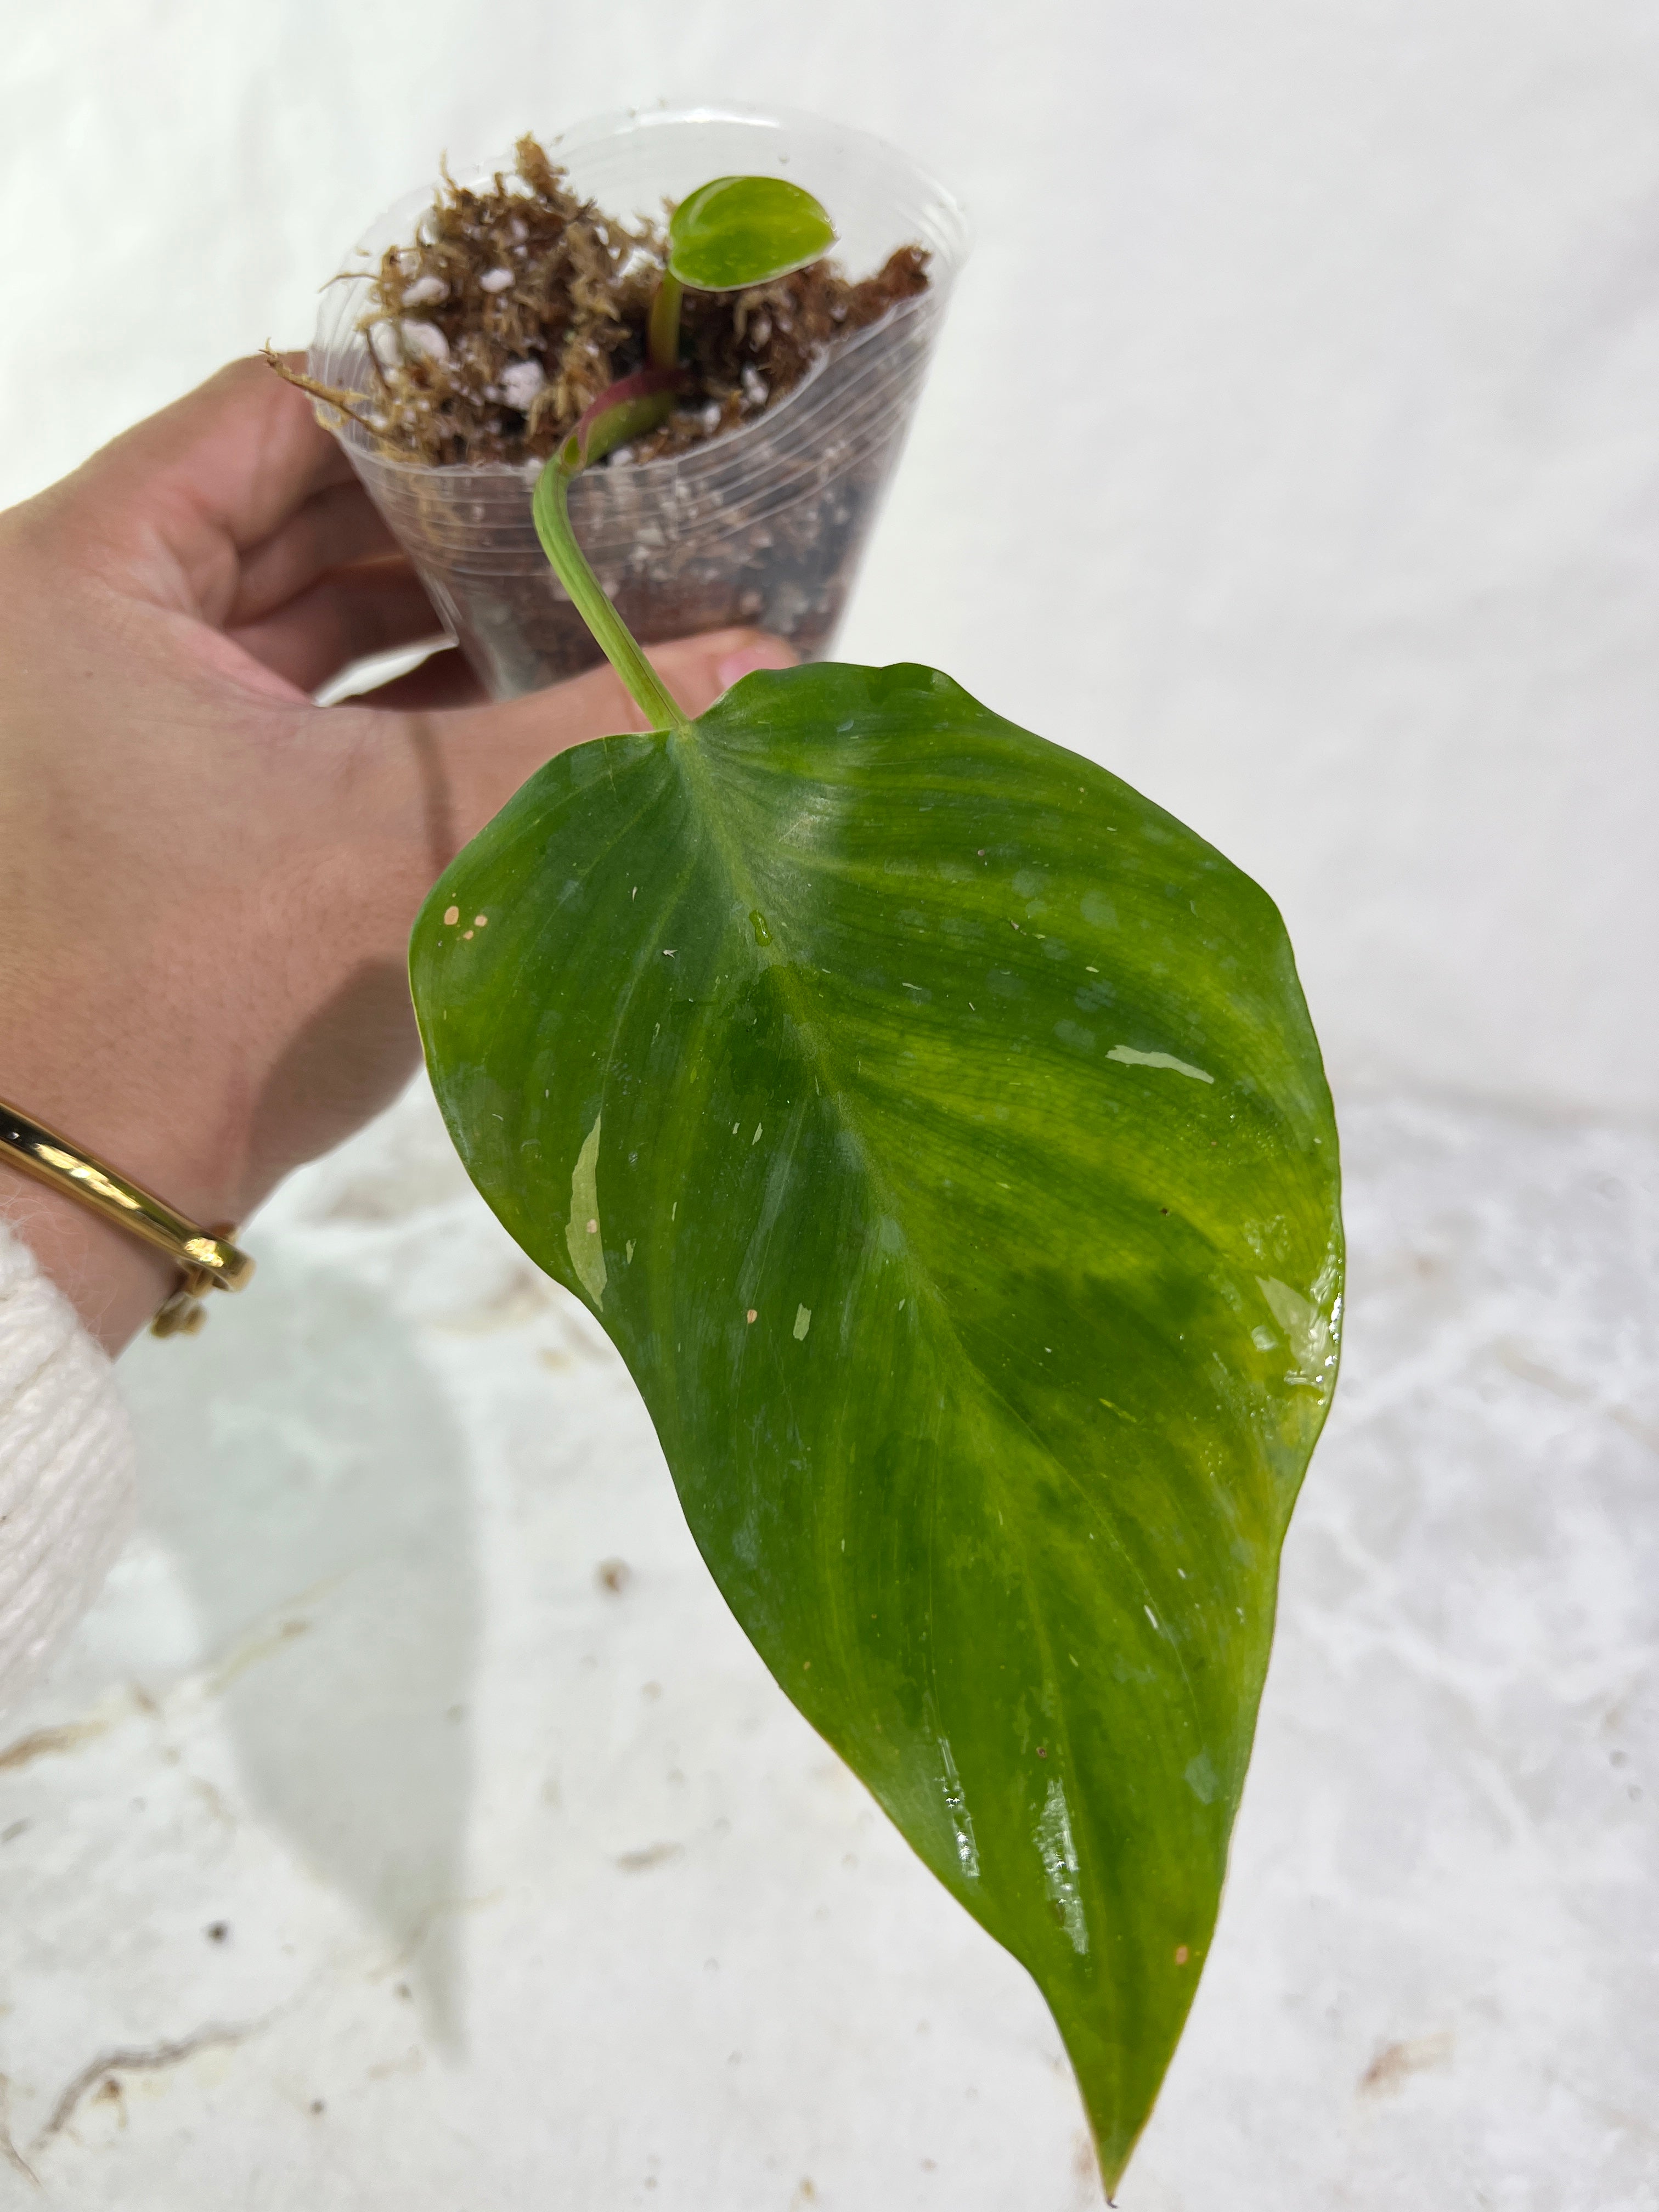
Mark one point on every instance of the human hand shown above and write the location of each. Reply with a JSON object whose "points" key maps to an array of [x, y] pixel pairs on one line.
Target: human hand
{"points": [[209, 881]]}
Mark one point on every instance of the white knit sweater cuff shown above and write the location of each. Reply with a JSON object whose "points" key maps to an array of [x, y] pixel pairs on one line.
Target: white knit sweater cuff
{"points": [[66, 1466]]}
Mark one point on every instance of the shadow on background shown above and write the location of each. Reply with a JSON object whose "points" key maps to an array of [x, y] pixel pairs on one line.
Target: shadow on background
{"points": [[304, 1471]]}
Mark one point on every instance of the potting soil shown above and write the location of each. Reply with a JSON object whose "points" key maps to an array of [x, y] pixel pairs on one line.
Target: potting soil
{"points": [[520, 302]]}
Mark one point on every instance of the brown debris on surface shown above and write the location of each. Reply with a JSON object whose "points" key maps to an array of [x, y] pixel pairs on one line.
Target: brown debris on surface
{"points": [[520, 303]]}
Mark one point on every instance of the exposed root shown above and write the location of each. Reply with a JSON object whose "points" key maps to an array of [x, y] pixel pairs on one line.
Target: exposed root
{"points": [[331, 395]]}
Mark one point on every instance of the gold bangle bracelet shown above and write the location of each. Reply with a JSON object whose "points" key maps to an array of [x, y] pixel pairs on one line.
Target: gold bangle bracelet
{"points": [[208, 1259]]}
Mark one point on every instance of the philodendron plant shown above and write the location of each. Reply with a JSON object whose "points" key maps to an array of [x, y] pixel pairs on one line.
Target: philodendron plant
{"points": [[936, 1128]]}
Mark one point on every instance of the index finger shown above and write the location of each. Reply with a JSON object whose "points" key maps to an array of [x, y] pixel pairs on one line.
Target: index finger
{"points": [[215, 474]]}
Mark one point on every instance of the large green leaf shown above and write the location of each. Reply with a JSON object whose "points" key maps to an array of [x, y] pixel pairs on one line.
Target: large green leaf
{"points": [[936, 1128]]}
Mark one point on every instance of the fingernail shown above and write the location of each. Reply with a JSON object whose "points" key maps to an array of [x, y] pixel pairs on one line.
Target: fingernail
{"points": [[770, 653]]}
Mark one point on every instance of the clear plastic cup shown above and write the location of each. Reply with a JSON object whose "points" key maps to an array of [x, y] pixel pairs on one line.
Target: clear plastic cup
{"points": [[765, 525]]}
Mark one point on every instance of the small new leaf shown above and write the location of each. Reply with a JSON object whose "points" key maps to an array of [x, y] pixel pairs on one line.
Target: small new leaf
{"points": [[746, 230]]}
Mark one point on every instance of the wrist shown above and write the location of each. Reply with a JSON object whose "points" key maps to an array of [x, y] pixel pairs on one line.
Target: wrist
{"points": [[114, 1282], [92, 1080], [98, 1075]]}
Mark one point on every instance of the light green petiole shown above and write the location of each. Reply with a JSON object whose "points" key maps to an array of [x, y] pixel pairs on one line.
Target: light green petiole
{"points": [[622, 649]]}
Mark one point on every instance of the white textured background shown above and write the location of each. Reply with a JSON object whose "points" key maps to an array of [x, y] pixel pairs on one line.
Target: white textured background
{"points": [[1335, 528]]}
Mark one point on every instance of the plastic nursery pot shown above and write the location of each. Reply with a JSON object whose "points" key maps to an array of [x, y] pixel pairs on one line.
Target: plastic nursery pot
{"points": [[765, 525]]}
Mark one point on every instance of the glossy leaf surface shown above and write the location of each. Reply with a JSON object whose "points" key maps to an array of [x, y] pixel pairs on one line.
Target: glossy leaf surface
{"points": [[936, 1128], [746, 230]]}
